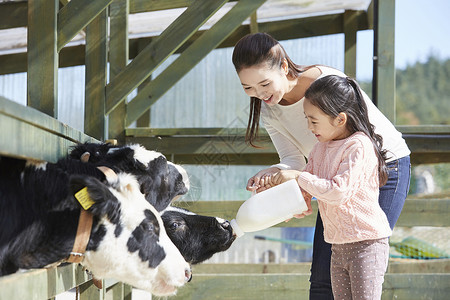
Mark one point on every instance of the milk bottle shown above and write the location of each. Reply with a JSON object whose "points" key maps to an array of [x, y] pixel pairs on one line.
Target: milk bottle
{"points": [[269, 207]]}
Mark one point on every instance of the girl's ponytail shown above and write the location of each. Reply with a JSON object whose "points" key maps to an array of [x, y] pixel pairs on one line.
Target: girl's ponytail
{"points": [[376, 139]]}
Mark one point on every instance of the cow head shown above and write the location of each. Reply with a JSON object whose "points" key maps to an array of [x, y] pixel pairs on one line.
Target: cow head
{"points": [[160, 181], [129, 242], [197, 237]]}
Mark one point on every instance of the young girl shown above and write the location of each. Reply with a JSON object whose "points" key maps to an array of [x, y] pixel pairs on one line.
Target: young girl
{"points": [[276, 87], [344, 172]]}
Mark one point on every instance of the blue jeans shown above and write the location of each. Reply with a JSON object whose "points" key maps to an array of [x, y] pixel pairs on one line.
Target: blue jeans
{"points": [[392, 197]]}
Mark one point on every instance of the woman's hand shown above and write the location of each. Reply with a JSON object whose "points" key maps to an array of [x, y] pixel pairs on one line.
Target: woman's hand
{"points": [[260, 181]]}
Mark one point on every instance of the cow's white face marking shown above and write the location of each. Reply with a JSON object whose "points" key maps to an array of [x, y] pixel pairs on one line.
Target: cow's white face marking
{"points": [[143, 155], [112, 259], [183, 174]]}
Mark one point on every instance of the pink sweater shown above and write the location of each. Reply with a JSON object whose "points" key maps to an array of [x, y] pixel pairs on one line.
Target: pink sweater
{"points": [[343, 176]]}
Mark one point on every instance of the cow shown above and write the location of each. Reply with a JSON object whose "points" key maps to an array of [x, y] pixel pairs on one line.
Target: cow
{"points": [[197, 237], [40, 209]]}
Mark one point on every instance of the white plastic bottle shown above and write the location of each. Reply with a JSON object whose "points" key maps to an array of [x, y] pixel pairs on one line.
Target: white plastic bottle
{"points": [[269, 207]]}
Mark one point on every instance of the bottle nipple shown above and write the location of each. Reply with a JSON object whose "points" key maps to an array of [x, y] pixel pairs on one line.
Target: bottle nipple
{"points": [[236, 229]]}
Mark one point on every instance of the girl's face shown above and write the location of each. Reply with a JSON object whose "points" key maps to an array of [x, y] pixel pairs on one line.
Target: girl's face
{"points": [[264, 83], [324, 127]]}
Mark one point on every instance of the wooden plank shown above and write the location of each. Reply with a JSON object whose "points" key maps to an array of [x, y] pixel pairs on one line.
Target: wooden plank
{"points": [[261, 159], [76, 15], [13, 14], [88, 291], [424, 129], [138, 6], [419, 266], [13, 63], [159, 50], [149, 94], [350, 31], [416, 286], [424, 143], [118, 60], [261, 268], [42, 283], [416, 212], [425, 212], [215, 145], [28, 133], [395, 265], [385, 58], [96, 71], [42, 75], [246, 286]]}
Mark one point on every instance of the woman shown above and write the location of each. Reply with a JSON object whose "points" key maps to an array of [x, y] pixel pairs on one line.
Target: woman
{"points": [[276, 87]]}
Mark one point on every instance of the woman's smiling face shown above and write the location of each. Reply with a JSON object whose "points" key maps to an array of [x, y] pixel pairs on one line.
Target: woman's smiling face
{"points": [[262, 82]]}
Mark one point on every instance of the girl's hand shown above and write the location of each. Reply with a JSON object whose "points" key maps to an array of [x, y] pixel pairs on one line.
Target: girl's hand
{"points": [[260, 181], [307, 198], [283, 176]]}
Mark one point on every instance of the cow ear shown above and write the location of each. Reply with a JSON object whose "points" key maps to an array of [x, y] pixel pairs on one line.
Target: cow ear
{"points": [[85, 157], [95, 196]]}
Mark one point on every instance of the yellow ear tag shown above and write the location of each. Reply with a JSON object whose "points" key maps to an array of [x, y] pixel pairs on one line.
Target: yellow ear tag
{"points": [[83, 197]]}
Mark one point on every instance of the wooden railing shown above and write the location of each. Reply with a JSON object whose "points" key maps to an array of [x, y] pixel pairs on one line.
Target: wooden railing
{"points": [[47, 283]]}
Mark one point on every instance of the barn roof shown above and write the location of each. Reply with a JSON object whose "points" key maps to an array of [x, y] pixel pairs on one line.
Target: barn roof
{"points": [[13, 39]]}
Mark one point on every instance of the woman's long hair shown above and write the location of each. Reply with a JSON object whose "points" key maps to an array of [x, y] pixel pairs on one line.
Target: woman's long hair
{"points": [[335, 94], [255, 49]]}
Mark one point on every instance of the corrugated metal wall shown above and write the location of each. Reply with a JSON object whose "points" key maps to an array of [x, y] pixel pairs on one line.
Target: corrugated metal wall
{"points": [[210, 95]]}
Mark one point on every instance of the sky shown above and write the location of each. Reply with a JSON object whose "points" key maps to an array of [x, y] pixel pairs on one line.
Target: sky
{"points": [[421, 27]]}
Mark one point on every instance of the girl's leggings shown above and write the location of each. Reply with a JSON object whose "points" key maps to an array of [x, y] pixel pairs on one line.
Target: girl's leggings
{"points": [[357, 269]]}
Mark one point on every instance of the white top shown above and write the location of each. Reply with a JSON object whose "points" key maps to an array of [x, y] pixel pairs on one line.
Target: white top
{"points": [[288, 129]]}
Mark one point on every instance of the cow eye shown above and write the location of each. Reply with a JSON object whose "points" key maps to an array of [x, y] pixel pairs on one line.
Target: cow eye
{"points": [[147, 226], [175, 225]]}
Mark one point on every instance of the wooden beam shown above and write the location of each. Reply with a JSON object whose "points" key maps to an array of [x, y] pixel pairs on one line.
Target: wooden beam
{"points": [[149, 94], [350, 31], [254, 23], [227, 146], [159, 50], [76, 15], [96, 71], [416, 212], [42, 283], [42, 75], [138, 6], [13, 14], [322, 25], [30, 134], [118, 60]]}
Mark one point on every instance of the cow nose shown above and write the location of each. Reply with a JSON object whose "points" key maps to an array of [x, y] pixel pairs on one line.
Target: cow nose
{"points": [[225, 224], [188, 274]]}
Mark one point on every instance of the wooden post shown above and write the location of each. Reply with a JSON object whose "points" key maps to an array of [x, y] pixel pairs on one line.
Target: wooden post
{"points": [[145, 119], [118, 60], [96, 68], [384, 62], [350, 31], [42, 74]]}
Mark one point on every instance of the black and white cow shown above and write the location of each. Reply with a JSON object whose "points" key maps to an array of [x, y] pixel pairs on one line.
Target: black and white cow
{"points": [[197, 237], [39, 218]]}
